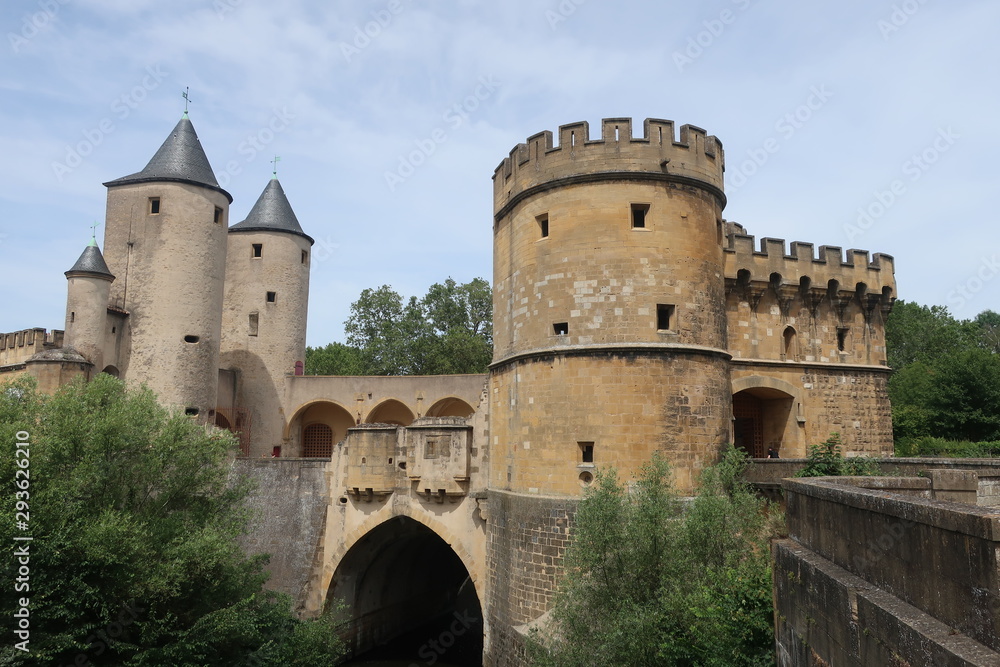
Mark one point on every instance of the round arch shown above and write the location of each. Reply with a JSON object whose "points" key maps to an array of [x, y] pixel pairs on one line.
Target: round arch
{"points": [[112, 371], [766, 416], [390, 411], [319, 412], [396, 575], [451, 406]]}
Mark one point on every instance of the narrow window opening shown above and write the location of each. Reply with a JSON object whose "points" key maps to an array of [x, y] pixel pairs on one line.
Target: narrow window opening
{"points": [[639, 212], [664, 316], [789, 336], [305, 256], [276, 452], [272, 297], [258, 250], [586, 452], [218, 215], [154, 205], [191, 339], [72, 317], [191, 412], [561, 328], [114, 329], [572, 139], [543, 224], [841, 338], [254, 322], [616, 133]]}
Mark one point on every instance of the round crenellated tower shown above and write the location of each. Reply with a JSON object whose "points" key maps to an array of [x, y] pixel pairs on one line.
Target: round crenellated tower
{"points": [[264, 322], [609, 306], [89, 285], [165, 241]]}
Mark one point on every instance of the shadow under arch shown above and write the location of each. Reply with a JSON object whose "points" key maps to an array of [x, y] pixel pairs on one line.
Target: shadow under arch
{"points": [[390, 411], [451, 406], [408, 595], [766, 415]]}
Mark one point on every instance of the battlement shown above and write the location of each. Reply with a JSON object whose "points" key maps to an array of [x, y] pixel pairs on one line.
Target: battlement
{"points": [[695, 157], [856, 267], [16, 347]]}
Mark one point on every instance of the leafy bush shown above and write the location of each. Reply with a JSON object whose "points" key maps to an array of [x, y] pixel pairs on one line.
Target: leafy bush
{"points": [[826, 460], [654, 580], [930, 446]]}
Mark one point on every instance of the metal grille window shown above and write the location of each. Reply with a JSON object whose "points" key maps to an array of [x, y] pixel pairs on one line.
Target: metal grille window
{"points": [[317, 441]]}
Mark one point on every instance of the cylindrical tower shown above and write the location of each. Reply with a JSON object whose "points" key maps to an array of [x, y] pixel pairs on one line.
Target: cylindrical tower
{"points": [[165, 241], [89, 285], [264, 320], [609, 306]]}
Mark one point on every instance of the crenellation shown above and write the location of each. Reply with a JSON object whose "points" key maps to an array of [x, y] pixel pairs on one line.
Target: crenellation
{"points": [[692, 158]]}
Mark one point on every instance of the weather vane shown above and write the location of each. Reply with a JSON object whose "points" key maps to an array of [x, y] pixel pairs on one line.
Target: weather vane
{"points": [[187, 99], [93, 230], [275, 161]]}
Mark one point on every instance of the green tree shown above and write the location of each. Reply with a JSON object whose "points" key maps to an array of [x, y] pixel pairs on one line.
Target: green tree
{"points": [[651, 580], [965, 404], [135, 519], [924, 333], [449, 330]]}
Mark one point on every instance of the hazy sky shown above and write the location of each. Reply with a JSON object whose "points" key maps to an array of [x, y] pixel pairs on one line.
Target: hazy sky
{"points": [[864, 124]]}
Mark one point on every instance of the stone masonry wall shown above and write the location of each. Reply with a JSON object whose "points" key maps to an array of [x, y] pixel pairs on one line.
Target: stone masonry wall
{"points": [[289, 503]]}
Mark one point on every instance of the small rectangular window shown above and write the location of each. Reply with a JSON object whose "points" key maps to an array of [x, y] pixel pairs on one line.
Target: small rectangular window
{"points": [[639, 212], [154, 205], [561, 328], [254, 323], [218, 215], [664, 316], [586, 452], [258, 250], [543, 224], [272, 297], [305, 256], [841, 338]]}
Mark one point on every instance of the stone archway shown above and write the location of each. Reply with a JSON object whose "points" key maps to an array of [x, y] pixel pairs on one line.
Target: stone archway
{"points": [[765, 416], [451, 407], [316, 427], [408, 595], [390, 411]]}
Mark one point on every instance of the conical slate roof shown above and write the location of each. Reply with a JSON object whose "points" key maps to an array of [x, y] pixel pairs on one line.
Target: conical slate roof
{"points": [[272, 213], [92, 262], [180, 159]]}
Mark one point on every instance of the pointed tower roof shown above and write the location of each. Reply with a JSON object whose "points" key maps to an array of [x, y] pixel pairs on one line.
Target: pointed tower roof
{"points": [[91, 263], [180, 159], [272, 213]]}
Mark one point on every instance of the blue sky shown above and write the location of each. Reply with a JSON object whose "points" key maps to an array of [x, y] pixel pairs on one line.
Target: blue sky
{"points": [[860, 124]]}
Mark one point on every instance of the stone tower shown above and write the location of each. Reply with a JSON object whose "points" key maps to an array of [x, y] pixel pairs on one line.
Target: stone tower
{"points": [[264, 322], [609, 306], [165, 241], [87, 305]]}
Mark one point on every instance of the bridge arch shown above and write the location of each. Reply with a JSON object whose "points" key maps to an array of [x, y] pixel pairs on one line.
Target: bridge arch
{"points": [[451, 406], [390, 411], [402, 573]]}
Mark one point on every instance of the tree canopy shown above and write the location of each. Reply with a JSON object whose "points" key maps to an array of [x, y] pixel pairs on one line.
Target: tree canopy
{"points": [[449, 330], [135, 520], [946, 374]]}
